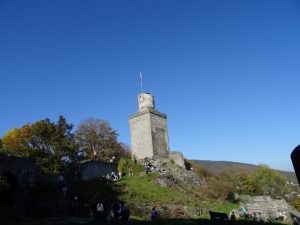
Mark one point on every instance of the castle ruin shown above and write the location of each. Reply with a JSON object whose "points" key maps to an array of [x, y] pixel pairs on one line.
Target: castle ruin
{"points": [[149, 132]]}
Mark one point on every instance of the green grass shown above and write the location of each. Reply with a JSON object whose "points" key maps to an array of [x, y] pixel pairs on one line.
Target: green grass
{"points": [[225, 207], [142, 191], [143, 188]]}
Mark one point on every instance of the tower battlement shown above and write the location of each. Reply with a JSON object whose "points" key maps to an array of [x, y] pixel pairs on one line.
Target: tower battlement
{"points": [[145, 101]]}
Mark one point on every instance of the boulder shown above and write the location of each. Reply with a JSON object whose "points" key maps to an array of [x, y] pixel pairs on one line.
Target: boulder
{"points": [[178, 158]]}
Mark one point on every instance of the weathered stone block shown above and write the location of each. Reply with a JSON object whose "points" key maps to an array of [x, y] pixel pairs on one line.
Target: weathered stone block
{"points": [[178, 158]]}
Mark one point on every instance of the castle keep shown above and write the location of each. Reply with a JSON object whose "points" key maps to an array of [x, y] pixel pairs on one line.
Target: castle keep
{"points": [[148, 130]]}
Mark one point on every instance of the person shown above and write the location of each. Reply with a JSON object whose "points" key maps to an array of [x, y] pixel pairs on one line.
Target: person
{"points": [[108, 216], [260, 217], [244, 212], [75, 206], [116, 212], [130, 173], [154, 214], [281, 216], [64, 190], [114, 176], [146, 169], [100, 211], [232, 216], [254, 218], [125, 212], [295, 221]]}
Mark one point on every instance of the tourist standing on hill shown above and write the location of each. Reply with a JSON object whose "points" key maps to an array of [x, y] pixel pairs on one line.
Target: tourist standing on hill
{"points": [[232, 216], [75, 206], [154, 214], [254, 218], [260, 217], [130, 173], [116, 208], [295, 221], [100, 211], [125, 212]]}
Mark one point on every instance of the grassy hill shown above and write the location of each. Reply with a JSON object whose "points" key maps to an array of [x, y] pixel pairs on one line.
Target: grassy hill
{"points": [[180, 200], [216, 167], [177, 202]]}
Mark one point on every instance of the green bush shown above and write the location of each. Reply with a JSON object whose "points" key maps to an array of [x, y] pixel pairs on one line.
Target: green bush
{"points": [[297, 204], [125, 164]]}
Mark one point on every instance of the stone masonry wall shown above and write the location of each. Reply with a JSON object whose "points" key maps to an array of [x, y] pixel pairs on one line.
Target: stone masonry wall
{"points": [[24, 169], [267, 206], [159, 133], [94, 169], [140, 135]]}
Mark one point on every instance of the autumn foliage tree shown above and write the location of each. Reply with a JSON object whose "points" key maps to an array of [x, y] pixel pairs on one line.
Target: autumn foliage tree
{"points": [[51, 143], [98, 140], [16, 141]]}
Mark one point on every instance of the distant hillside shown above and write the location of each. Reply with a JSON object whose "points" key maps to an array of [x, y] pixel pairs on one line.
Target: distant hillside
{"points": [[216, 167]]}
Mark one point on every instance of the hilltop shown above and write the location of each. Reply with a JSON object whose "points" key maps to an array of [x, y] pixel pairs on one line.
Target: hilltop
{"points": [[176, 193]]}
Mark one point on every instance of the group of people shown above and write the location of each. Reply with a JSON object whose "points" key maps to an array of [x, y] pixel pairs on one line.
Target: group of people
{"points": [[254, 216], [119, 211], [278, 215], [114, 176], [149, 167], [251, 215], [110, 213]]}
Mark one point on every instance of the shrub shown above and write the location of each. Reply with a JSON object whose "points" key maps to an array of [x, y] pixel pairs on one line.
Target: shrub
{"points": [[125, 164], [297, 203], [219, 189]]}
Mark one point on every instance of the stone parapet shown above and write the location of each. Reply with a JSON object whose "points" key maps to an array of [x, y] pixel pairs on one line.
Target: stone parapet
{"points": [[148, 110]]}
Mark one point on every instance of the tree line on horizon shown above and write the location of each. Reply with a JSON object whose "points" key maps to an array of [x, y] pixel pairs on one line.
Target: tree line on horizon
{"points": [[56, 146]]}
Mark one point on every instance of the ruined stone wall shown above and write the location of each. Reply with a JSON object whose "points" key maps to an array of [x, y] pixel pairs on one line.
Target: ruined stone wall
{"points": [[267, 206], [24, 169], [94, 169]]}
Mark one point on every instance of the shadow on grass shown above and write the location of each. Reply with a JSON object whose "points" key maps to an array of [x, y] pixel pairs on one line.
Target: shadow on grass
{"points": [[138, 222], [46, 200], [197, 222]]}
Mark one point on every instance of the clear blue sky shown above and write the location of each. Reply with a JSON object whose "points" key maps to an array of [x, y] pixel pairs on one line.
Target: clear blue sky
{"points": [[226, 73]]}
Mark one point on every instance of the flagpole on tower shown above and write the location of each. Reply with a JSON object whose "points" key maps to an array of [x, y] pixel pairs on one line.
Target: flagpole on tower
{"points": [[141, 77]]}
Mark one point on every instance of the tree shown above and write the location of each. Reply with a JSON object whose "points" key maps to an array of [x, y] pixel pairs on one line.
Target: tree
{"points": [[16, 142], [52, 144], [266, 180], [98, 140]]}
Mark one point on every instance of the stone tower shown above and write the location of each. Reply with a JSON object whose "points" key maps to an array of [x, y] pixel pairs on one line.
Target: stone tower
{"points": [[148, 130]]}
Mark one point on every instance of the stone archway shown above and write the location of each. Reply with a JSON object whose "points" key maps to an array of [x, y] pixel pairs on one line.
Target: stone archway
{"points": [[9, 187]]}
